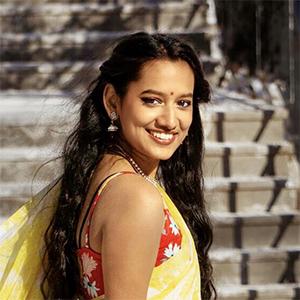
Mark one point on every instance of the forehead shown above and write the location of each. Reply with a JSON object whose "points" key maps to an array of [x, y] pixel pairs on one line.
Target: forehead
{"points": [[166, 76]]}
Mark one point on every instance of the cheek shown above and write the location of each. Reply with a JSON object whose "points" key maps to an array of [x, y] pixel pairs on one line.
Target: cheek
{"points": [[130, 119], [186, 121], [136, 116]]}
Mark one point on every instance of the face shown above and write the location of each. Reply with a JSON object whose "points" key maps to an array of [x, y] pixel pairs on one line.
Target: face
{"points": [[156, 112]]}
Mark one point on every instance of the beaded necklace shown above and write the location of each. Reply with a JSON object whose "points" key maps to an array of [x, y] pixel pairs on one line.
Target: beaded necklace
{"points": [[139, 170], [135, 166]]}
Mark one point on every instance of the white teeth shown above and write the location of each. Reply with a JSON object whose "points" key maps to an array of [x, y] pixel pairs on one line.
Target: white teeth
{"points": [[162, 136]]}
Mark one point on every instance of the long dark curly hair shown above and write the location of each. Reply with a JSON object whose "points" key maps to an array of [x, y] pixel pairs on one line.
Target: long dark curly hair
{"points": [[181, 175]]}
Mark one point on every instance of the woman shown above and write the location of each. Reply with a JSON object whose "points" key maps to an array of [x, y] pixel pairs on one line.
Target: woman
{"points": [[116, 233]]}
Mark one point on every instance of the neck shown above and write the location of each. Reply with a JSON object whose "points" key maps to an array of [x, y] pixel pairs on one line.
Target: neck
{"points": [[147, 166]]}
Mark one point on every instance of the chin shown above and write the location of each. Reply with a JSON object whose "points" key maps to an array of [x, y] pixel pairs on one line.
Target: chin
{"points": [[163, 155]]}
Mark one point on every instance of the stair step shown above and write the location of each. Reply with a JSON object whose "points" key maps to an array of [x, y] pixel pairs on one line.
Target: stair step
{"points": [[22, 189], [17, 164], [14, 194], [249, 159], [277, 291], [121, 2], [59, 17], [22, 108], [251, 230], [28, 108], [234, 117], [251, 194], [78, 45], [59, 75], [36, 119], [256, 266]]}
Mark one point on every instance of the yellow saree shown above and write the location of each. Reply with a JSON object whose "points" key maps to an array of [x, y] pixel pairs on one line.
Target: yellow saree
{"points": [[178, 277], [21, 243]]}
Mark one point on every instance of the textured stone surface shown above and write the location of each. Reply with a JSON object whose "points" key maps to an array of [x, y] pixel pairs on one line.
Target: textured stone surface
{"points": [[31, 135], [257, 266], [267, 230], [60, 75], [80, 45], [236, 118], [245, 159], [251, 194], [48, 76], [15, 171], [60, 17], [260, 292], [121, 2], [246, 131], [252, 200]]}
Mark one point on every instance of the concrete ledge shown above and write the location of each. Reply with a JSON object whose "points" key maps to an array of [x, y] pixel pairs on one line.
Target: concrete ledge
{"points": [[27, 154], [247, 183], [11, 190], [34, 108], [245, 230], [79, 45], [35, 2], [246, 148], [61, 17], [59, 9], [262, 254], [284, 291], [250, 159], [228, 105], [263, 218], [255, 267], [252, 195], [69, 75]]}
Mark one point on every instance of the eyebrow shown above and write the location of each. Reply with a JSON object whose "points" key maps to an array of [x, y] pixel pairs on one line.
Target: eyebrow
{"points": [[163, 94]]}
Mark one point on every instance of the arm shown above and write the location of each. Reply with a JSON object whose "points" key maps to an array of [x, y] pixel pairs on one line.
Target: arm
{"points": [[131, 236]]}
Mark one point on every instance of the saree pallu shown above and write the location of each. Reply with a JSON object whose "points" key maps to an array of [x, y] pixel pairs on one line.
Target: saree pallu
{"points": [[22, 246], [179, 276]]}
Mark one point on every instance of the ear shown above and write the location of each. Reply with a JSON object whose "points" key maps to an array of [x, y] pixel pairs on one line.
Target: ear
{"points": [[111, 100]]}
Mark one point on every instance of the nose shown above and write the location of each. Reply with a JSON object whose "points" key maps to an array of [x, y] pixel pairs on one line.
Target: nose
{"points": [[167, 118]]}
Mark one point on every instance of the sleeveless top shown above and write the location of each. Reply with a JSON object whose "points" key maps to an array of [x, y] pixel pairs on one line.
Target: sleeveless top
{"points": [[92, 285]]}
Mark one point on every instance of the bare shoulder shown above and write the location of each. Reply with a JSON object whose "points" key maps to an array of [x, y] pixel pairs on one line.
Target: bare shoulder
{"points": [[131, 236], [132, 192]]}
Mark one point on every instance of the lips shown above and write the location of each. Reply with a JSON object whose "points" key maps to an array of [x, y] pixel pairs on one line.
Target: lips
{"points": [[162, 137]]}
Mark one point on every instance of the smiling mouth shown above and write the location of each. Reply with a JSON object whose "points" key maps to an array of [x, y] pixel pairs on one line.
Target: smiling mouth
{"points": [[161, 135]]}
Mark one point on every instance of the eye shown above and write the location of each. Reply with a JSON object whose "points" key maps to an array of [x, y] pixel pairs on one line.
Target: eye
{"points": [[184, 103], [151, 101]]}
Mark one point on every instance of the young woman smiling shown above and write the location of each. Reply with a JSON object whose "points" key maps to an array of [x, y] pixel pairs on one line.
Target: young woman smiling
{"points": [[130, 221]]}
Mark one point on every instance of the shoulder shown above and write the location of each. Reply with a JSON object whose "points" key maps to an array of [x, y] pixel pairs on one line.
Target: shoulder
{"points": [[133, 195], [131, 235]]}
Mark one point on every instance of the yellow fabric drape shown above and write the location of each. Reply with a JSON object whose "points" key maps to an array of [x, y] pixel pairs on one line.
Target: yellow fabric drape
{"points": [[21, 245], [179, 276], [21, 248]]}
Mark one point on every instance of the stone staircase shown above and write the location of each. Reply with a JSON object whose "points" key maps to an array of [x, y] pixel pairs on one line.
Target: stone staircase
{"points": [[252, 185], [59, 40], [50, 51]]}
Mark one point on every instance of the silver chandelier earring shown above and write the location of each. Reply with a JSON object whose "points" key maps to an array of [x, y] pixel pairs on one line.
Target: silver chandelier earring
{"points": [[113, 117]]}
